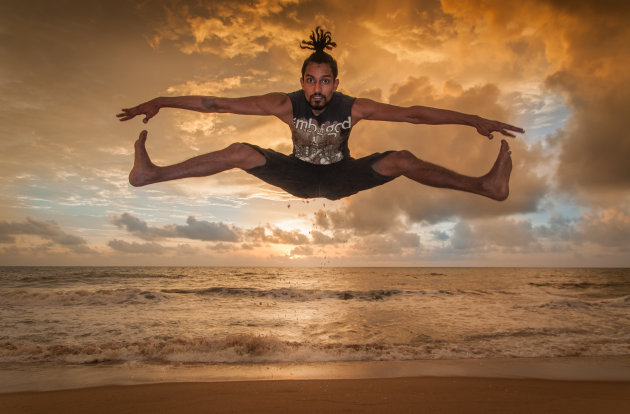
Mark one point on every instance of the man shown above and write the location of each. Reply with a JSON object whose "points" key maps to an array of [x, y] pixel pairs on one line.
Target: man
{"points": [[321, 120]]}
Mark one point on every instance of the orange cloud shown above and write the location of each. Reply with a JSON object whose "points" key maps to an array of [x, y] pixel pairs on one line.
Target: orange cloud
{"points": [[585, 57]]}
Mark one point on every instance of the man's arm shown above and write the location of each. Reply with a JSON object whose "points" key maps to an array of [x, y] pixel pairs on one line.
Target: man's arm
{"points": [[276, 104], [377, 111]]}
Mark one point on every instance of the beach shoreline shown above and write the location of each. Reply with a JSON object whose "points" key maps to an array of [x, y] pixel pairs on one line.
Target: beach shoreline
{"points": [[24, 378], [376, 395], [518, 385]]}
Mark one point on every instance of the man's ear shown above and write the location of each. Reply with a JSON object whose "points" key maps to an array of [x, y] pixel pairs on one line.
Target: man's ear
{"points": [[302, 82], [335, 84]]}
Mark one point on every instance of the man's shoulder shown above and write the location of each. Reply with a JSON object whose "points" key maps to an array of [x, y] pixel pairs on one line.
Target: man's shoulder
{"points": [[296, 94], [342, 102], [343, 99], [343, 95]]}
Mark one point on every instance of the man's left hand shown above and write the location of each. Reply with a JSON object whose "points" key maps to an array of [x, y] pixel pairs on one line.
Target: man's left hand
{"points": [[486, 127]]}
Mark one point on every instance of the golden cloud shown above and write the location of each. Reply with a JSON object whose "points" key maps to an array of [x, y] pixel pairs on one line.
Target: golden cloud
{"points": [[585, 57]]}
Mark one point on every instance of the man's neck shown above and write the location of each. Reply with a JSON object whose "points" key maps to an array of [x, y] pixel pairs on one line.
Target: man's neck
{"points": [[318, 112]]}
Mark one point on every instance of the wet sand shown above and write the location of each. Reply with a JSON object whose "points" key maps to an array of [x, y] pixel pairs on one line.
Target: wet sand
{"points": [[383, 395]]}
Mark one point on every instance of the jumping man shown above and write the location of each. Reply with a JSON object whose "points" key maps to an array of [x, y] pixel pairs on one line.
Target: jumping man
{"points": [[321, 120]]}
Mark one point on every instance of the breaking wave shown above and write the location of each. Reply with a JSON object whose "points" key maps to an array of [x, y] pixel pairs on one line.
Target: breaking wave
{"points": [[246, 348], [138, 296]]}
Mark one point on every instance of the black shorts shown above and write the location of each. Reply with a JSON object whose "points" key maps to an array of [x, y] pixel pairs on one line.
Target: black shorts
{"points": [[305, 180]]}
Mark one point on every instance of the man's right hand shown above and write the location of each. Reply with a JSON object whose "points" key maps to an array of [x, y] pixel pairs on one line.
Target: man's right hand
{"points": [[149, 109]]}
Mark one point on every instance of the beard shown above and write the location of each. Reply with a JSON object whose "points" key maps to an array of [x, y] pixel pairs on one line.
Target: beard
{"points": [[317, 101]]}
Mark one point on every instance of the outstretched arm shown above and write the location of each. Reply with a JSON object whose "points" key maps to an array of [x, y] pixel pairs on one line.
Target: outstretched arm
{"points": [[377, 111], [277, 104]]}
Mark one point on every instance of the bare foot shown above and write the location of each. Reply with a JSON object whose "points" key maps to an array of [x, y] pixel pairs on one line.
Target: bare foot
{"points": [[497, 182], [144, 171]]}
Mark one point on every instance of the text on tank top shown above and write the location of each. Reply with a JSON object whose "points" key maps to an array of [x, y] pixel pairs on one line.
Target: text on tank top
{"points": [[323, 138]]}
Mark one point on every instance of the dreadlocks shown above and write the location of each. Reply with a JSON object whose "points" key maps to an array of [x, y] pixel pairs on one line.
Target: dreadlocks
{"points": [[320, 41]]}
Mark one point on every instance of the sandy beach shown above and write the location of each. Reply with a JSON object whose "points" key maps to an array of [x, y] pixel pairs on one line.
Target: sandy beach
{"points": [[393, 395], [300, 340]]}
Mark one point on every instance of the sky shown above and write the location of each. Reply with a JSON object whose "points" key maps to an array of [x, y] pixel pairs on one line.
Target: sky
{"points": [[558, 69]]}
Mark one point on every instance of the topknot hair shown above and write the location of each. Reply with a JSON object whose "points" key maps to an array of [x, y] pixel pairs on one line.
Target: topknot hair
{"points": [[320, 40]]}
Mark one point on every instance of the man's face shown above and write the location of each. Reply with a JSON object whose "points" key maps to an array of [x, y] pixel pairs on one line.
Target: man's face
{"points": [[318, 85]]}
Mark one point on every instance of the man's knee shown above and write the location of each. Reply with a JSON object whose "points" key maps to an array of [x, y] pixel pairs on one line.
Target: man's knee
{"points": [[243, 156], [395, 163]]}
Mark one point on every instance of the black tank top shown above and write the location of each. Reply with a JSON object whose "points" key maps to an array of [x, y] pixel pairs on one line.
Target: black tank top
{"points": [[321, 139]]}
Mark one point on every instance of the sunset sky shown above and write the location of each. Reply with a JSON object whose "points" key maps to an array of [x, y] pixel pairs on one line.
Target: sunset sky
{"points": [[558, 69]]}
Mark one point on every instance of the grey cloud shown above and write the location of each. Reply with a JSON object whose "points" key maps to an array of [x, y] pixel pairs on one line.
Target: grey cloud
{"points": [[140, 228], [194, 229], [321, 219], [463, 237], [366, 213], [506, 234], [387, 244], [559, 228], [302, 251], [607, 227], [222, 247], [207, 231], [5, 237], [276, 235], [136, 248], [318, 237], [48, 230], [440, 235], [501, 235], [186, 250]]}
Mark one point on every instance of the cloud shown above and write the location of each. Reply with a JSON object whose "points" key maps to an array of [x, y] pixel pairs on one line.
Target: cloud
{"points": [[194, 229], [609, 227], [273, 234], [463, 237], [140, 228], [207, 231], [301, 251], [136, 248], [575, 48], [440, 235], [596, 85], [366, 214], [559, 228], [338, 237], [503, 235], [379, 245], [605, 228], [227, 29], [185, 249], [47, 230], [595, 148]]}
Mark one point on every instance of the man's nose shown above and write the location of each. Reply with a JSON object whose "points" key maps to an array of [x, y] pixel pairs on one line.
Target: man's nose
{"points": [[318, 87]]}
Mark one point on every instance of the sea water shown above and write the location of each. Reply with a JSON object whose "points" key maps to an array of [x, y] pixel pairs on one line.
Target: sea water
{"points": [[151, 317]]}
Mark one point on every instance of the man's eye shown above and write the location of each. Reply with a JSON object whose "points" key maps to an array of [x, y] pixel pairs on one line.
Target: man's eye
{"points": [[325, 81]]}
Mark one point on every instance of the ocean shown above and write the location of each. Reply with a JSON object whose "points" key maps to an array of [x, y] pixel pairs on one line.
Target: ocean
{"points": [[153, 318]]}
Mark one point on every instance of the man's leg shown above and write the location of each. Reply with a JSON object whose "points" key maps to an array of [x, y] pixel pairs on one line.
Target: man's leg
{"points": [[495, 184], [234, 156]]}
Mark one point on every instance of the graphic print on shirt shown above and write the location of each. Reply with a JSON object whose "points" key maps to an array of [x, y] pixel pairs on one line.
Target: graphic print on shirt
{"points": [[319, 144], [321, 139]]}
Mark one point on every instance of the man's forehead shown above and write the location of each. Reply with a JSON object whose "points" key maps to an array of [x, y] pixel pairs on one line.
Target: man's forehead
{"points": [[318, 70]]}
